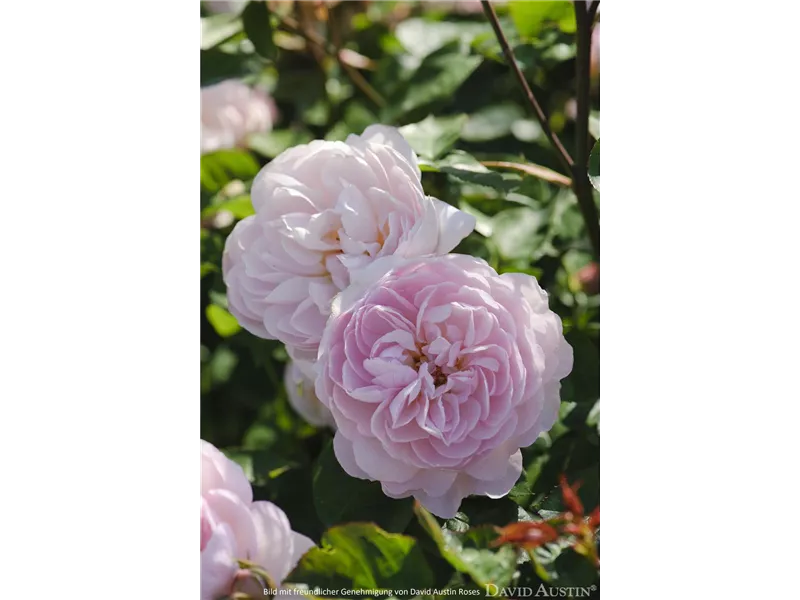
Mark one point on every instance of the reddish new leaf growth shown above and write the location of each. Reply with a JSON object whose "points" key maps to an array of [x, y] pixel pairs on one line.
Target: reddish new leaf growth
{"points": [[571, 500], [583, 531], [527, 535], [594, 518]]}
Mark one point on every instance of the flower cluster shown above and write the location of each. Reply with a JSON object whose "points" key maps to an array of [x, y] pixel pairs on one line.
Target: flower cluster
{"points": [[237, 532], [433, 368]]}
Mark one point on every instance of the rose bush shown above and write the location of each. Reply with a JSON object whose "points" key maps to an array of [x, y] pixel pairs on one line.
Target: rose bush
{"points": [[324, 210], [437, 372], [322, 203], [233, 528]]}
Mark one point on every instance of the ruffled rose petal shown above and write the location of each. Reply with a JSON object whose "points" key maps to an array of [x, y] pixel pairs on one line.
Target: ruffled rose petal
{"points": [[220, 472], [218, 564]]}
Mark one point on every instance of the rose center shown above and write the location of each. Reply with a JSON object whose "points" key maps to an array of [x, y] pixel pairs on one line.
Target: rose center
{"points": [[419, 361], [439, 378]]}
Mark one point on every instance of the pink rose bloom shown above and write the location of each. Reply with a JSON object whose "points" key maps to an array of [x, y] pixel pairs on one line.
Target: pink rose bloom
{"points": [[230, 111], [234, 527], [303, 398], [437, 372], [323, 211]]}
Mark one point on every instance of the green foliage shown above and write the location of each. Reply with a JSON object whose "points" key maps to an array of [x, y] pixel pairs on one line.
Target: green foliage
{"points": [[493, 122], [531, 17], [519, 232], [438, 77], [223, 322], [257, 26], [219, 28], [340, 498], [223, 166], [433, 136], [273, 143], [469, 552], [467, 169], [363, 556]]}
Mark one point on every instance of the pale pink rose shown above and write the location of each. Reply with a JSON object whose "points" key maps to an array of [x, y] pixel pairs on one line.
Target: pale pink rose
{"points": [[303, 398], [230, 111], [323, 211], [437, 372], [233, 527]]}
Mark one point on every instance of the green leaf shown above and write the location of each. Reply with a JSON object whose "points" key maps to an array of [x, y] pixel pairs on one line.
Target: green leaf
{"points": [[483, 222], [216, 66], [339, 498], [421, 37], [223, 322], [468, 169], [566, 220], [593, 419], [257, 26], [438, 77], [221, 365], [594, 124], [469, 552], [531, 17], [219, 28], [363, 556], [492, 122], [240, 207], [527, 130], [261, 466], [582, 385], [433, 136], [206, 268], [271, 144], [594, 166], [220, 167], [574, 570], [518, 232]]}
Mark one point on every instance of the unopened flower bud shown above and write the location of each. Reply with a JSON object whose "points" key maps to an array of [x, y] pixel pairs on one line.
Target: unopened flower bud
{"points": [[587, 279]]}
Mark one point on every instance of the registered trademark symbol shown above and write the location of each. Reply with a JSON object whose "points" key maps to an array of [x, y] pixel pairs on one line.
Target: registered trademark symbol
{"points": [[593, 587]]}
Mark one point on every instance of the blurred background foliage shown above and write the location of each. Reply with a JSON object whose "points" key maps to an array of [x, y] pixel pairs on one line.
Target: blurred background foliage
{"points": [[436, 70]]}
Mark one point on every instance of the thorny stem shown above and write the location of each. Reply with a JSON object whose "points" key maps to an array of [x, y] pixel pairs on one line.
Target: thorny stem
{"points": [[580, 177], [537, 109], [578, 167], [357, 78]]}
